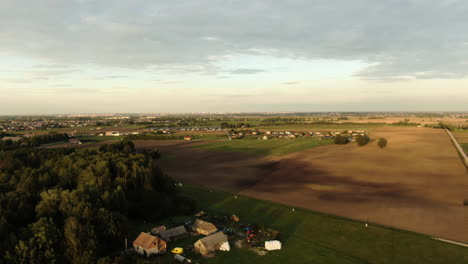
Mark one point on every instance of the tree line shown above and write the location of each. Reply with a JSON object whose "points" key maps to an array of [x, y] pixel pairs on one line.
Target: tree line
{"points": [[73, 206]]}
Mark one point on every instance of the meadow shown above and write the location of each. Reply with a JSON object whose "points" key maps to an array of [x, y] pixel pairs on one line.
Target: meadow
{"points": [[311, 237], [322, 127], [274, 147]]}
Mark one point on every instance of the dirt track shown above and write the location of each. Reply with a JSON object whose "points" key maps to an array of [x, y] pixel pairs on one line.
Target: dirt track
{"points": [[417, 183]]}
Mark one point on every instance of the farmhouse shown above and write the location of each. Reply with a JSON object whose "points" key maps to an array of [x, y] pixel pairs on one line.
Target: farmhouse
{"points": [[204, 228], [210, 244], [146, 244], [173, 234]]}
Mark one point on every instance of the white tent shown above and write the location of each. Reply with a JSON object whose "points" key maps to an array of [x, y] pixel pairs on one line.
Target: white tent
{"points": [[225, 246], [272, 245]]}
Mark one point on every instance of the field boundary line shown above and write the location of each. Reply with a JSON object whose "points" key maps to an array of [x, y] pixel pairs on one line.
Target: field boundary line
{"points": [[460, 151], [451, 242]]}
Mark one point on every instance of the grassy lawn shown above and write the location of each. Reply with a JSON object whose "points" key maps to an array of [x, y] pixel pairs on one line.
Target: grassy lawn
{"points": [[310, 237], [323, 127], [96, 139], [266, 147]]}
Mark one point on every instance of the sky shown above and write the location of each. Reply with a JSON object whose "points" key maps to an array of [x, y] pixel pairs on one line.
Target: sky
{"points": [[154, 56]]}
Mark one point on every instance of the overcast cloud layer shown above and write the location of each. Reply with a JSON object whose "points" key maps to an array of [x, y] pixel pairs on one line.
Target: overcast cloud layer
{"points": [[400, 38], [61, 56]]}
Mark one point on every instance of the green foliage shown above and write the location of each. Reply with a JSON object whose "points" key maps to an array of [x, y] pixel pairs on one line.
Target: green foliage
{"points": [[340, 140], [405, 122], [362, 140], [382, 143], [73, 206]]}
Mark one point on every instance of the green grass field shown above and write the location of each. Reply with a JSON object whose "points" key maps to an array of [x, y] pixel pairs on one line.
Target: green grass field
{"points": [[96, 139], [310, 237], [266, 147], [465, 147], [323, 127]]}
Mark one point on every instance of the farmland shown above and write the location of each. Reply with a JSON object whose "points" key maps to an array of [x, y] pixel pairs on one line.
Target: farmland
{"points": [[415, 183], [273, 147], [310, 237]]}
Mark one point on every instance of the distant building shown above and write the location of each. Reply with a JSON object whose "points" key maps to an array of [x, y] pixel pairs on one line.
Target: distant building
{"points": [[204, 228], [210, 244], [148, 245], [113, 133], [14, 139], [187, 138], [74, 141]]}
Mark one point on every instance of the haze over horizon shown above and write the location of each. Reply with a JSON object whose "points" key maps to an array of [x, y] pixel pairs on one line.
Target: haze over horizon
{"points": [[87, 56]]}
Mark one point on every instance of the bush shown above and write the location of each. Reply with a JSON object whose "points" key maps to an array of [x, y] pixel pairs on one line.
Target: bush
{"points": [[382, 142], [341, 140], [362, 140]]}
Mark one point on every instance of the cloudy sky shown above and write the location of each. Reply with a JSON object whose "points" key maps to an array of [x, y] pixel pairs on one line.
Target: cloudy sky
{"points": [[86, 56]]}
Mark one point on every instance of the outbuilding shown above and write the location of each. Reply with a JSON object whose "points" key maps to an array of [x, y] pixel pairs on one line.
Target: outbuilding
{"points": [[204, 228], [174, 234]]}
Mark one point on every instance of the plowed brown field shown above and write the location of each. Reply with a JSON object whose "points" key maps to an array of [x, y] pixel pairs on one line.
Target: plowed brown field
{"points": [[417, 183]]}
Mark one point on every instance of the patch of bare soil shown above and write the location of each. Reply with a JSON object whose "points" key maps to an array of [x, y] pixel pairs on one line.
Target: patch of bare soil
{"points": [[229, 171]]}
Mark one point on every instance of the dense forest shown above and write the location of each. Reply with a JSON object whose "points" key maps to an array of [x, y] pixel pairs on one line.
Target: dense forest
{"points": [[73, 206], [33, 141]]}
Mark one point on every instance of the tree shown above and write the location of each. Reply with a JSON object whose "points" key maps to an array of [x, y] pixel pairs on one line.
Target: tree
{"points": [[340, 140], [382, 142], [362, 140]]}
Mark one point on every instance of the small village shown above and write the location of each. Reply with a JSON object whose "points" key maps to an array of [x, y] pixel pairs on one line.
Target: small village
{"points": [[212, 233]]}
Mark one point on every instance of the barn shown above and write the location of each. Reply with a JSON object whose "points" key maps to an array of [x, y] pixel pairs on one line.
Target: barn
{"points": [[210, 244], [174, 234], [204, 228]]}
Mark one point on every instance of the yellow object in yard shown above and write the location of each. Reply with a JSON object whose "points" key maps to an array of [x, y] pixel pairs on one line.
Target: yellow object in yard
{"points": [[177, 250]]}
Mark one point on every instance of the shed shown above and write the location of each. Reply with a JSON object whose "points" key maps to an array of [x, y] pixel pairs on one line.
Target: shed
{"points": [[158, 229], [210, 244], [204, 228], [174, 233]]}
